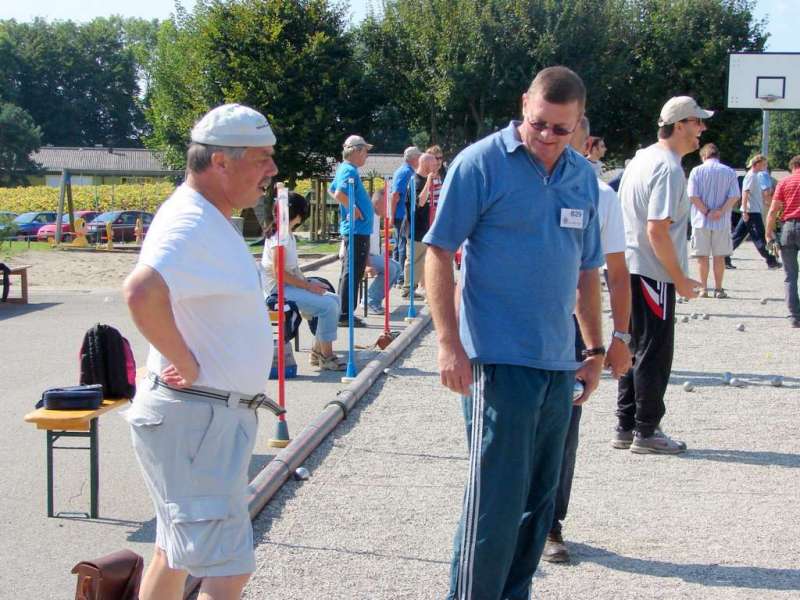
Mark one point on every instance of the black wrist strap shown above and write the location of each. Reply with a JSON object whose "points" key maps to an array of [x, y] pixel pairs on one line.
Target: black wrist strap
{"points": [[593, 351]]}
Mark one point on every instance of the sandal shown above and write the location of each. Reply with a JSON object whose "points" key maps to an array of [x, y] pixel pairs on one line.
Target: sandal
{"points": [[330, 363]]}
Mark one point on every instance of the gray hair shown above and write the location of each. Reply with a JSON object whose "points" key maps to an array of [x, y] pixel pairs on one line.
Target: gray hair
{"points": [[584, 124], [347, 152], [198, 156]]}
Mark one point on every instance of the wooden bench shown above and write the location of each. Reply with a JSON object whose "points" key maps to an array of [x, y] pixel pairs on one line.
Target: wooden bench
{"points": [[21, 272], [73, 423]]}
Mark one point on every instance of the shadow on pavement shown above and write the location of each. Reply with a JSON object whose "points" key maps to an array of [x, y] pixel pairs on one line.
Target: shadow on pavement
{"points": [[706, 379], [745, 457], [710, 575], [354, 552], [8, 311]]}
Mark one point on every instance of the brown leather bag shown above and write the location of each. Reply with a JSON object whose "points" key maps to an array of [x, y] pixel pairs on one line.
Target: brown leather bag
{"points": [[115, 576]]}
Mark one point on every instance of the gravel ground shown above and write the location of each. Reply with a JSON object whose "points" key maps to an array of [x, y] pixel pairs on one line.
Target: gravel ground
{"points": [[376, 518]]}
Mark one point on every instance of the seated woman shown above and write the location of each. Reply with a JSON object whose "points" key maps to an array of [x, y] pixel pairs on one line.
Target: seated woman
{"points": [[312, 299]]}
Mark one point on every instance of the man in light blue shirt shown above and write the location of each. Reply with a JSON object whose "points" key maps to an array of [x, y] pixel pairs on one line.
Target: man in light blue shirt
{"points": [[525, 206], [401, 188], [713, 190], [752, 221], [354, 155]]}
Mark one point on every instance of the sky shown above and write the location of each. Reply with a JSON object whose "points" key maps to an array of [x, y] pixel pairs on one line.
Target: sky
{"points": [[781, 17]]}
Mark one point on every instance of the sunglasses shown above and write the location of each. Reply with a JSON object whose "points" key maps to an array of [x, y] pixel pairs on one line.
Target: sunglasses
{"points": [[558, 130]]}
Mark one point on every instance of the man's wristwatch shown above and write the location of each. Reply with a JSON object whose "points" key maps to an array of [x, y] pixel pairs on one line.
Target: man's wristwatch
{"points": [[625, 338], [593, 351]]}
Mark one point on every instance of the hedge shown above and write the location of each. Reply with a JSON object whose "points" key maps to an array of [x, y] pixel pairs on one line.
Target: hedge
{"points": [[146, 196]]}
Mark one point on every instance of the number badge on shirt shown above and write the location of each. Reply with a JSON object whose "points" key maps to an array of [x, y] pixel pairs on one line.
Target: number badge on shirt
{"points": [[572, 218]]}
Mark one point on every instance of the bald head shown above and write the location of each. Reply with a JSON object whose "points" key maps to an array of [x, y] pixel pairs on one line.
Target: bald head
{"points": [[581, 134], [427, 164]]}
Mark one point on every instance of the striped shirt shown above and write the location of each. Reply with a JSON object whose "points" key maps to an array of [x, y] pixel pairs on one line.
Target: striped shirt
{"points": [[713, 183], [788, 193]]}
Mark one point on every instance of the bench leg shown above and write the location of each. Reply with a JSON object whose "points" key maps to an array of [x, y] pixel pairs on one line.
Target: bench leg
{"points": [[297, 341], [50, 439], [94, 469], [24, 285]]}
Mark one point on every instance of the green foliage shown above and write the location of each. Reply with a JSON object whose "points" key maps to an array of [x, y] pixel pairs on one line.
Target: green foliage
{"points": [[19, 137], [457, 68], [784, 137], [78, 81], [290, 59]]}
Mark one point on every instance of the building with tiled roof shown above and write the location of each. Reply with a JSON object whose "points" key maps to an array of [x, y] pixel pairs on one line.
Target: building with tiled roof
{"points": [[100, 165]]}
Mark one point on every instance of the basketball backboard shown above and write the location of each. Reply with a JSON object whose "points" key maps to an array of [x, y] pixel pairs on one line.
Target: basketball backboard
{"points": [[764, 80]]}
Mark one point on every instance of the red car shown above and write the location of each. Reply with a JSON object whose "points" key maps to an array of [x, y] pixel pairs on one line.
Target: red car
{"points": [[49, 231], [123, 223]]}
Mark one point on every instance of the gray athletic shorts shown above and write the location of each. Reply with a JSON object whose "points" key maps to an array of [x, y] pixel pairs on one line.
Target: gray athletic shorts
{"points": [[195, 456], [711, 242]]}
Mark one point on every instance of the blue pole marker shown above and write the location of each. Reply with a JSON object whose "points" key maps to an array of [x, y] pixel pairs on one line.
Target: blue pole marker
{"points": [[351, 372], [412, 284]]}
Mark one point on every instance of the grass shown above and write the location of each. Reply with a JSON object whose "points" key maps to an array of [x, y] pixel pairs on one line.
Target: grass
{"points": [[9, 248]]}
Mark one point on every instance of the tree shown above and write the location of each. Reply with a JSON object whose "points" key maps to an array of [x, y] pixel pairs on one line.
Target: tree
{"points": [[290, 59], [19, 137], [457, 68], [784, 137], [78, 82]]}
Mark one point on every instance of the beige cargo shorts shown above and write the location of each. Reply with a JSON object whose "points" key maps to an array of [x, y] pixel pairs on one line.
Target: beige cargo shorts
{"points": [[194, 455]]}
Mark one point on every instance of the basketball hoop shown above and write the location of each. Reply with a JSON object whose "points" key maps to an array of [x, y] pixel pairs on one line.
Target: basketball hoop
{"points": [[769, 97]]}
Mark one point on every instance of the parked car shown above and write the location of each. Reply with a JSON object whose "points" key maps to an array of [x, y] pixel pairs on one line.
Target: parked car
{"points": [[27, 225], [123, 223], [49, 231]]}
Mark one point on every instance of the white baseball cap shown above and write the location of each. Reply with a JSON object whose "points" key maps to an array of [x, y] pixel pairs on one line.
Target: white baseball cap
{"points": [[233, 125], [411, 152], [354, 141], [682, 107]]}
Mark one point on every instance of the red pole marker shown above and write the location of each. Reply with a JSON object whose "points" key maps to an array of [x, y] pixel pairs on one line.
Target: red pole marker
{"points": [[281, 439], [386, 220]]}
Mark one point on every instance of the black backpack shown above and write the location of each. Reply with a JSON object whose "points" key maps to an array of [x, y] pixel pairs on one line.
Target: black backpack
{"points": [[106, 358], [5, 282]]}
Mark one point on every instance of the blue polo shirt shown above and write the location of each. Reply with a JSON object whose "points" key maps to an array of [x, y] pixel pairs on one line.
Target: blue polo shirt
{"points": [[400, 180], [526, 238], [345, 171]]}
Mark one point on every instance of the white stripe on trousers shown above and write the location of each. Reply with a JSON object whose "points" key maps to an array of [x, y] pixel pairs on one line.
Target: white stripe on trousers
{"points": [[473, 496]]}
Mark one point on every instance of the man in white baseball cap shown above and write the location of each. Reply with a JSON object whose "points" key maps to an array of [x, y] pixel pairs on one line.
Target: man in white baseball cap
{"points": [[196, 295], [655, 209]]}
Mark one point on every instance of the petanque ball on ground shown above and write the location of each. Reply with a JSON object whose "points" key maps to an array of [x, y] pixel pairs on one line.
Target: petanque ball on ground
{"points": [[740, 327], [736, 382], [763, 301], [301, 474], [695, 315], [688, 386], [706, 316], [386, 371], [727, 377], [684, 319], [776, 381]]}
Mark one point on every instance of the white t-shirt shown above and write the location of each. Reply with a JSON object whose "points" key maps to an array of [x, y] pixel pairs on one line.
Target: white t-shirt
{"points": [[375, 238], [612, 227], [290, 261], [216, 293], [653, 188]]}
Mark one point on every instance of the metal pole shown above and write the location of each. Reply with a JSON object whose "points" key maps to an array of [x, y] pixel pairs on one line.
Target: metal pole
{"points": [[412, 312], [765, 133], [94, 469], [60, 211], [351, 217]]}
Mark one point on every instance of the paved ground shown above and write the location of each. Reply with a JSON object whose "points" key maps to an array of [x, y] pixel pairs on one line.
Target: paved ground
{"points": [[376, 518], [39, 349]]}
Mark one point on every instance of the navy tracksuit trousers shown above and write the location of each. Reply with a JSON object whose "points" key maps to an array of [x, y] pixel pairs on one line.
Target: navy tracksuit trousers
{"points": [[516, 421]]}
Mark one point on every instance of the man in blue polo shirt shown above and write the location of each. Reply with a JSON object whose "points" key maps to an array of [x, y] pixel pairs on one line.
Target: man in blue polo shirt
{"points": [[525, 206], [354, 155], [401, 187]]}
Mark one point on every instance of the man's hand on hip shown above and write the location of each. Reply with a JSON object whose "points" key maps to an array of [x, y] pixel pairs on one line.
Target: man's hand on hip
{"points": [[745, 216], [455, 368], [183, 376], [618, 358], [589, 374]]}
